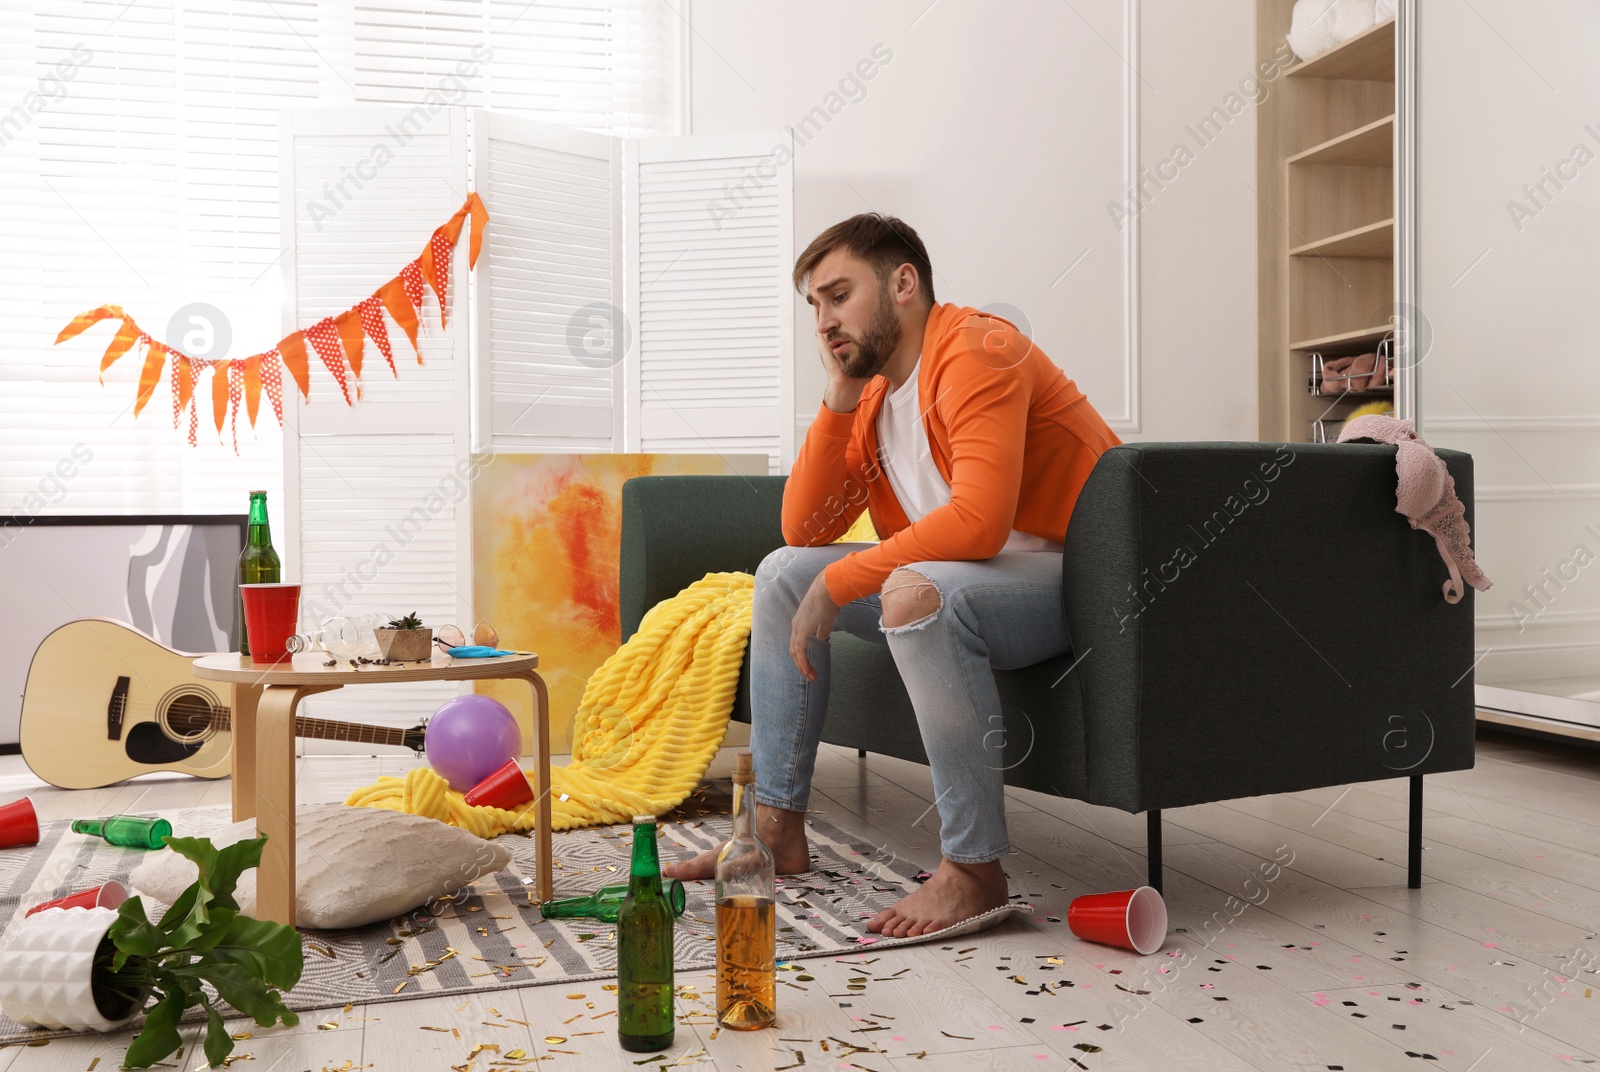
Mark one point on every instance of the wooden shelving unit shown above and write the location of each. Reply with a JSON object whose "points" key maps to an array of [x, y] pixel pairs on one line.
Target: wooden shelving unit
{"points": [[1326, 220]]}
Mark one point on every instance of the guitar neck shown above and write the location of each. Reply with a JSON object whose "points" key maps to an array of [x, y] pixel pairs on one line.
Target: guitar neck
{"points": [[328, 730]]}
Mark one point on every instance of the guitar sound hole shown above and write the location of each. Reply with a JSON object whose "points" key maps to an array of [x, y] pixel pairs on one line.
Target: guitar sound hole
{"points": [[190, 717]]}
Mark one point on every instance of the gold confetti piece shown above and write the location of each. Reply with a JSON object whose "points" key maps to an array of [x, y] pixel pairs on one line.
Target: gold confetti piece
{"points": [[514, 1020], [1054, 960], [602, 1015], [240, 1036], [401, 987], [395, 941], [555, 1040], [947, 1034], [445, 1030], [580, 1034], [480, 1047], [554, 1050], [574, 1016], [516, 1055], [92, 1064], [609, 986], [486, 1023]]}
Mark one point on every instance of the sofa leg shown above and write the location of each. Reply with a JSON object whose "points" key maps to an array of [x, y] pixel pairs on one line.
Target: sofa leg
{"points": [[862, 752], [1153, 846], [1414, 838]]}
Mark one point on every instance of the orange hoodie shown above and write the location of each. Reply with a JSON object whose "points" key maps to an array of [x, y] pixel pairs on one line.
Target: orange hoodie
{"points": [[1013, 437]]}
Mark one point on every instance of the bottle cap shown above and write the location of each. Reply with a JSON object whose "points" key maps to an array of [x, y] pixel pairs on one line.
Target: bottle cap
{"points": [[744, 771], [637, 819], [260, 491]]}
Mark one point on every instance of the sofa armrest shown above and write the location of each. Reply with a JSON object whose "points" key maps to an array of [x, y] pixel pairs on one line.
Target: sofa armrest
{"points": [[1256, 618], [677, 529]]}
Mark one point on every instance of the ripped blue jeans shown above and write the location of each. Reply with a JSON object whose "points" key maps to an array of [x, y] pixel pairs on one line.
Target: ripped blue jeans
{"points": [[997, 613]]}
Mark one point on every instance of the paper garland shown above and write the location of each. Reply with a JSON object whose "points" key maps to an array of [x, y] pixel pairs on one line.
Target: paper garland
{"points": [[337, 340]]}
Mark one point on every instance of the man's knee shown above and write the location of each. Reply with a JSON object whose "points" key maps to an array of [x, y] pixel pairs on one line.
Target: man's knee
{"points": [[908, 598]]}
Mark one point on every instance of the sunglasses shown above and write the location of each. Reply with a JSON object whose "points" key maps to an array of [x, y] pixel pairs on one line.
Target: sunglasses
{"points": [[451, 636]]}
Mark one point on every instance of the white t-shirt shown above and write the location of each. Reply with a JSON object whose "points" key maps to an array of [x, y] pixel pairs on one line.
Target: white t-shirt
{"points": [[905, 457]]}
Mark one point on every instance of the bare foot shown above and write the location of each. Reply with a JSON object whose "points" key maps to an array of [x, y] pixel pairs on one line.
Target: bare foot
{"points": [[954, 893], [783, 831]]}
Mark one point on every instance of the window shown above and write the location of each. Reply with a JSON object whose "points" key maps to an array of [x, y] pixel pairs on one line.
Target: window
{"points": [[139, 158]]}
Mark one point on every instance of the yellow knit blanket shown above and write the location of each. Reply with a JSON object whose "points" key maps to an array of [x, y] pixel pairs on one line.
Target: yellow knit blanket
{"points": [[651, 719]]}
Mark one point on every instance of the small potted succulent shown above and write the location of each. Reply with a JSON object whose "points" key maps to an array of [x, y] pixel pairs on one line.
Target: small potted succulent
{"points": [[95, 969], [404, 640]]}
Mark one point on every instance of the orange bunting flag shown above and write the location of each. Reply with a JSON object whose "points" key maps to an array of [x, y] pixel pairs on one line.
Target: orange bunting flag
{"points": [[325, 341], [155, 357], [349, 324], [272, 383], [219, 393], [337, 340], [83, 321], [393, 296], [371, 312], [126, 336], [252, 386], [293, 350]]}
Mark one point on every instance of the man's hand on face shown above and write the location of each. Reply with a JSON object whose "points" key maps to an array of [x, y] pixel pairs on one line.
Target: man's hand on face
{"points": [[843, 392], [814, 618]]}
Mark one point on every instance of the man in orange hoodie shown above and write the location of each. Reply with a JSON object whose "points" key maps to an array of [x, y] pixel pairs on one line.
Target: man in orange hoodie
{"points": [[969, 447]]}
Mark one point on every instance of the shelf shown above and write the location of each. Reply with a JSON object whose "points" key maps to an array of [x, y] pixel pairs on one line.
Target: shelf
{"points": [[1354, 341], [1368, 146], [1375, 240], [1367, 57]]}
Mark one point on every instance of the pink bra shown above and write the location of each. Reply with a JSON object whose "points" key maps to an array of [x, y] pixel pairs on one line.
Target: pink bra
{"points": [[1427, 496]]}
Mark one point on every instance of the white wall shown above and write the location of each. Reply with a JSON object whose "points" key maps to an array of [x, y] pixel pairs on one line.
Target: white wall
{"points": [[998, 131], [1508, 223]]}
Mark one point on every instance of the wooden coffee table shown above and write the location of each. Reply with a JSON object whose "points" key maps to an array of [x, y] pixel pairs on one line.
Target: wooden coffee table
{"points": [[264, 703]]}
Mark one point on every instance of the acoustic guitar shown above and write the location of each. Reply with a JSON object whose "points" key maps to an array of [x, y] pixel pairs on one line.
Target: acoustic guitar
{"points": [[104, 703]]}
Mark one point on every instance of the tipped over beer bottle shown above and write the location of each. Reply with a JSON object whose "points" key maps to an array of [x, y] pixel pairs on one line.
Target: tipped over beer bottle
{"points": [[747, 944], [645, 1020], [258, 562]]}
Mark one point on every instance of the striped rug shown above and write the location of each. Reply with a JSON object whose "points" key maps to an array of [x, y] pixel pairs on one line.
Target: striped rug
{"points": [[494, 938]]}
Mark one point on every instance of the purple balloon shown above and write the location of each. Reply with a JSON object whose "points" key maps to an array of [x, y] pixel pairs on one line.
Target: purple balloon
{"points": [[469, 738]]}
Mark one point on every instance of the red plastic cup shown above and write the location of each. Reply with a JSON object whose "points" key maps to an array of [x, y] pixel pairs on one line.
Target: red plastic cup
{"points": [[1131, 919], [270, 614], [111, 895], [19, 824], [507, 788]]}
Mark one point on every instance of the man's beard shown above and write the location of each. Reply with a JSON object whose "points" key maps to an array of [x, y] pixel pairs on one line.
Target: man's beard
{"points": [[876, 345]]}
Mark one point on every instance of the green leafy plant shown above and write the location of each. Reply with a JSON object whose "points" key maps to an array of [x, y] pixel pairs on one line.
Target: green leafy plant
{"points": [[410, 621], [202, 938]]}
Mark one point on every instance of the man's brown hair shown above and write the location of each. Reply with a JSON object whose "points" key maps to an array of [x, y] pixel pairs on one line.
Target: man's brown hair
{"points": [[882, 241]]}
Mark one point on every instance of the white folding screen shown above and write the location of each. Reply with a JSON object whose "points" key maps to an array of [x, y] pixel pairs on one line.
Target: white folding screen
{"points": [[631, 294], [709, 296], [548, 287], [377, 501]]}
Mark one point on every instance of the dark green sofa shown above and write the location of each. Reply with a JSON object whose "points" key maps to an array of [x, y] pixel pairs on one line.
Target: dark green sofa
{"points": [[1302, 641]]}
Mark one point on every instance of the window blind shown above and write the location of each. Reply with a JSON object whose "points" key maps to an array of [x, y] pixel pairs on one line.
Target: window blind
{"points": [[139, 165]]}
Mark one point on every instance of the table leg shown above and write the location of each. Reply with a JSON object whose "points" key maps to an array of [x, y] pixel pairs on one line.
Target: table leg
{"points": [[245, 700], [275, 763], [541, 737]]}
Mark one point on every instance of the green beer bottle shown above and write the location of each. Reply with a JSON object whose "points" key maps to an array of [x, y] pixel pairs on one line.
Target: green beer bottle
{"points": [[645, 1021], [258, 562], [129, 831], [606, 902]]}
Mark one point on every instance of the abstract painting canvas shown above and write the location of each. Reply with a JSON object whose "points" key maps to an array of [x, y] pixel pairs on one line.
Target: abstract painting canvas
{"points": [[546, 536]]}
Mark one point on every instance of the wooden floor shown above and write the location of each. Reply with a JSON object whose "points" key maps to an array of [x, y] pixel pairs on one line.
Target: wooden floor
{"points": [[1329, 963]]}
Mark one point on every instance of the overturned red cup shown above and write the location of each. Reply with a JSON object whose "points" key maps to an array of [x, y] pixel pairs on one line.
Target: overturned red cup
{"points": [[507, 788], [19, 824], [110, 895], [270, 614], [1130, 919]]}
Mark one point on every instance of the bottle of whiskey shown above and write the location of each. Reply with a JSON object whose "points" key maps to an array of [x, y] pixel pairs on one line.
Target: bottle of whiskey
{"points": [[746, 928], [258, 562], [645, 1021]]}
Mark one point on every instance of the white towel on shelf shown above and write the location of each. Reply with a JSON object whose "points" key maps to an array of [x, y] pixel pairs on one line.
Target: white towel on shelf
{"points": [[1318, 25]]}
